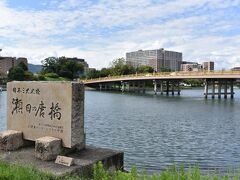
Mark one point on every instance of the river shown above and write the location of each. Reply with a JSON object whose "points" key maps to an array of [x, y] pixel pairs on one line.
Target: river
{"points": [[155, 131]]}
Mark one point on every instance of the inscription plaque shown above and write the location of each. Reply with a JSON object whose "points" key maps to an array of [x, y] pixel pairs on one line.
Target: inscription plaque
{"points": [[47, 109]]}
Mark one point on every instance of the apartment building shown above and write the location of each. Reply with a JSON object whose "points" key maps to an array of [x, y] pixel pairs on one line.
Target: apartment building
{"points": [[157, 59]]}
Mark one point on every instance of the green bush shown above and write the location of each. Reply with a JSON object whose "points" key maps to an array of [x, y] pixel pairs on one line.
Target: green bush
{"points": [[28, 76], [41, 77], [51, 75]]}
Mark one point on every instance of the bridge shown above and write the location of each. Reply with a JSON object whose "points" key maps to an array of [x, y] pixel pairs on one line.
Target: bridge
{"points": [[221, 83]]}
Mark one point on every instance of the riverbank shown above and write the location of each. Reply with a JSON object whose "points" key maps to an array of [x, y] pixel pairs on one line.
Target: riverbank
{"points": [[14, 172]]}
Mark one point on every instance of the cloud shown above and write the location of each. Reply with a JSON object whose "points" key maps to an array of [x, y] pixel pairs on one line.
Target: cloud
{"points": [[102, 30]]}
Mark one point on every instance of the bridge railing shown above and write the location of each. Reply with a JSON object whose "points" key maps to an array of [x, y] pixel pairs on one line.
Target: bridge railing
{"points": [[165, 74]]}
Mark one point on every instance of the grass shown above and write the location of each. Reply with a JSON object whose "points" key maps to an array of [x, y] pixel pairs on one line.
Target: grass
{"points": [[16, 172]]}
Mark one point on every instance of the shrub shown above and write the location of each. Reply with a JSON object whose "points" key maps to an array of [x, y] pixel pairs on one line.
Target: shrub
{"points": [[51, 75]]}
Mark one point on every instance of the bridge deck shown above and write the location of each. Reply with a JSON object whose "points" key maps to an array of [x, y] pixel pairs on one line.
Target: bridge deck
{"points": [[168, 76]]}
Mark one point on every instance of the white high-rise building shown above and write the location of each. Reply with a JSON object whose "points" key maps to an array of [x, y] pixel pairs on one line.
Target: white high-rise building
{"points": [[157, 59]]}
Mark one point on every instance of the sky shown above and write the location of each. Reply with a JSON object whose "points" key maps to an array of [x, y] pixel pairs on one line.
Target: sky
{"points": [[102, 30]]}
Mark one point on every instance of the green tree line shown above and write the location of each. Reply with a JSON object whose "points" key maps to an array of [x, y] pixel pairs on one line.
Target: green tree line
{"points": [[54, 68], [62, 68], [118, 67]]}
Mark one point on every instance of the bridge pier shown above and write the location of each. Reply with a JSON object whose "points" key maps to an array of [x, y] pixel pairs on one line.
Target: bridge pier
{"points": [[100, 87], [213, 89], [138, 86], [122, 86], [219, 89], [206, 88], [161, 87], [231, 88], [167, 87], [143, 87], [225, 89], [178, 87], [220, 83], [128, 86], [155, 87], [173, 84]]}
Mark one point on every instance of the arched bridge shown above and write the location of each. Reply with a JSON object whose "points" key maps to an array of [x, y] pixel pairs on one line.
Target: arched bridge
{"points": [[220, 82]]}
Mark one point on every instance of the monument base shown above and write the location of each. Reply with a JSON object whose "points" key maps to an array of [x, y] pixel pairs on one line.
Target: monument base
{"points": [[11, 140], [83, 160]]}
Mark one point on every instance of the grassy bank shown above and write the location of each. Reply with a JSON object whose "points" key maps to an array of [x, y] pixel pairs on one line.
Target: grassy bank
{"points": [[15, 172]]}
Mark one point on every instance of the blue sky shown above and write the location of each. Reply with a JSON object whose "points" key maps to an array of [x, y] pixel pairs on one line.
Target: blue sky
{"points": [[102, 30]]}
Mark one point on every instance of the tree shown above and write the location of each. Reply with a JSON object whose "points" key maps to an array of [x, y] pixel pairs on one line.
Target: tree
{"points": [[23, 66], [119, 62], [16, 73], [104, 72], [64, 67], [50, 65], [145, 69], [120, 67], [93, 73], [163, 69], [69, 68], [28, 76]]}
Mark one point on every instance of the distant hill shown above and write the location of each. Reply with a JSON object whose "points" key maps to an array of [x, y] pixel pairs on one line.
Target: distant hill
{"points": [[34, 68]]}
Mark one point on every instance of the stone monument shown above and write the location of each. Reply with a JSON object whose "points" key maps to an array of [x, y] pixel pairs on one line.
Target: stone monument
{"points": [[49, 113]]}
